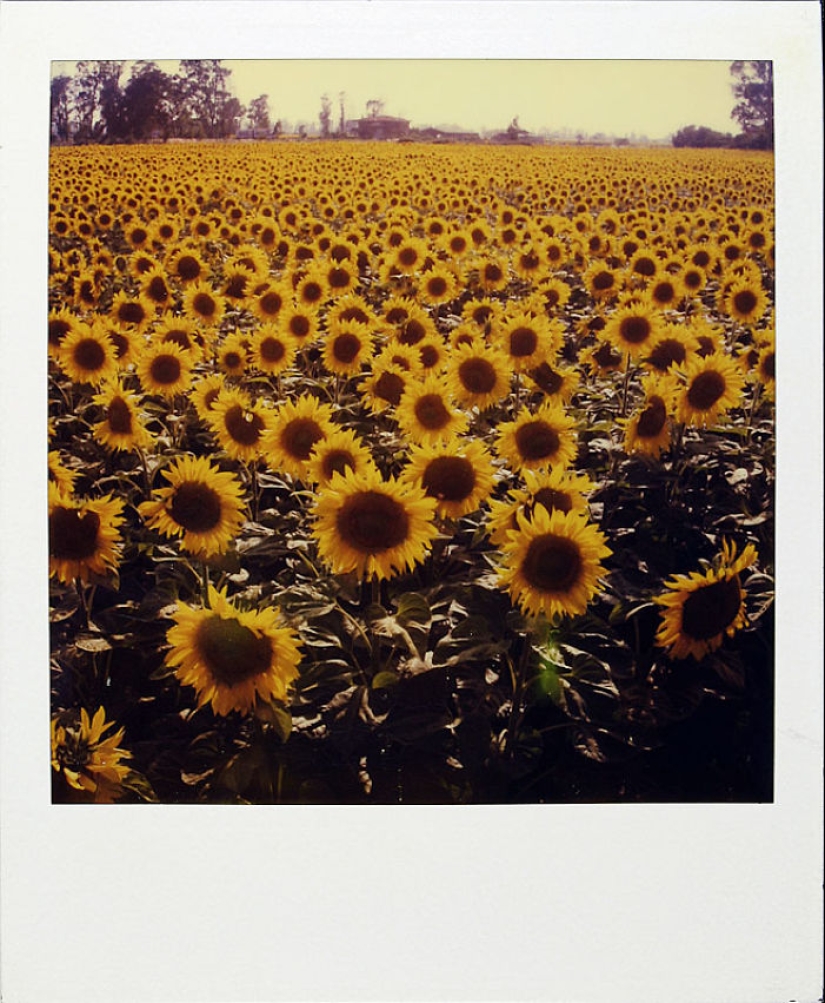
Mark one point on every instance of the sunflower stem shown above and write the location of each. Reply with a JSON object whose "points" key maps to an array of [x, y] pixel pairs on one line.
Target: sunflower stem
{"points": [[145, 465], [205, 583], [626, 386]]}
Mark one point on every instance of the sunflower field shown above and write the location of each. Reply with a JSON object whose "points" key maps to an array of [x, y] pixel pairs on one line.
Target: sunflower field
{"points": [[400, 473]]}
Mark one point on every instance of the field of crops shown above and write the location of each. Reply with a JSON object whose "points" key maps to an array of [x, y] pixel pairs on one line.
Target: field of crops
{"points": [[386, 473]]}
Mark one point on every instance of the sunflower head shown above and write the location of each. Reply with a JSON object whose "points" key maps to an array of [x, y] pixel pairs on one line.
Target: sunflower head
{"points": [[89, 763]]}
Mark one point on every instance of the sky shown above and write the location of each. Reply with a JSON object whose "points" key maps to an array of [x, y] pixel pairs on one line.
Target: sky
{"points": [[653, 98]]}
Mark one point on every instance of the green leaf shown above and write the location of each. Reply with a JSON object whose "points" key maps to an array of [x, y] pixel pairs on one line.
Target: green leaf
{"points": [[383, 679], [89, 642], [413, 608]]}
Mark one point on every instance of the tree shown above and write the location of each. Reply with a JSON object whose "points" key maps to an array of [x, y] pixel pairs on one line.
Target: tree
{"points": [[374, 107], [60, 108], [325, 115], [258, 114], [701, 136], [204, 89], [147, 101], [96, 79], [342, 124], [753, 90]]}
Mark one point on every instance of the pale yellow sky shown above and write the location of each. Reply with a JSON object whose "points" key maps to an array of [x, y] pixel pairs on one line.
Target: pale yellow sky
{"points": [[646, 97]]}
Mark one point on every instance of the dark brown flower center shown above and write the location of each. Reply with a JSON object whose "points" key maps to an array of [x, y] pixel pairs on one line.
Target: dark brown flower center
{"points": [[701, 259], [478, 376], [397, 315], [58, 329], [492, 273], [339, 278], [165, 369], [131, 313], [449, 478], [72, 534], [602, 281], [407, 257], [429, 355], [664, 292], [745, 301], [389, 387], [312, 292], [272, 349], [232, 359], [645, 266], [606, 356], [652, 419], [412, 333], [337, 461], [244, 427], [345, 347], [89, 355], [552, 563], [179, 338], [299, 325], [536, 440], [635, 330], [157, 290], [232, 652], [711, 609], [668, 352], [270, 303], [237, 286], [437, 286], [547, 378], [195, 507], [552, 499], [299, 436], [530, 261], [138, 236], [354, 313], [204, 305], [523, 342], [768, 366], [706, 389], [372, 522], [119, 416], [431, 411], [188, 267]]}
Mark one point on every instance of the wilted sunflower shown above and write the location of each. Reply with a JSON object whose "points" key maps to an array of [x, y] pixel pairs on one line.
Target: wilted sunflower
{"points": [[339, 452], [479, 376], [426, 413], [701, 609], [202, 505], [87, 761], [296, 427], [347, 348], [232, 658], [541, 439], [121, 427], [84, 535], [458, 474], [164, 368], [87, 354], [710, 386], [551, 563], [239, 425], [648, 429], [371, 526], [555, 490]]}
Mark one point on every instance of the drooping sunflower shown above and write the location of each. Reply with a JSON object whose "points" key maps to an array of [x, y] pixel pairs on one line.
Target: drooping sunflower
{"points": [[426, 413], [479, 376], [555, 490], [84, 535], [232, 658], [546, 438], [239, 425], [164, 368], [296, 426], [458, 474], [121, 427], [648, 429], [371, 526], [347, 348], [710, 386], [551, 563], [339, 452], [87, 761], [633, 329], [702, 608], [87, 354], [203, 506]]}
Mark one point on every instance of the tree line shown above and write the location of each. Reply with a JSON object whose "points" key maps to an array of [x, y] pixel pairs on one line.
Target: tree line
{"points": [[97, 105], [753, 89]]}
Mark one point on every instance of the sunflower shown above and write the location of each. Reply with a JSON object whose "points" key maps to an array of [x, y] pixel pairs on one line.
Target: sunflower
{"points": [[87, 354], [202, 305], [183, 333], [710, 338], [555, 381], [492, 274], [138, 235], [351, 308], [648, 429], [232, 658], [239, 425], [231, 355], [551, 563], [61, 476], [371, 526], [347, 348], [406, 357], [397, 309], [437, 286], [644, 265], [384, 387], [766, 368], [672, 345], [541, 439], [84, 535], [238, 282], [299, 323], [529, 262], [701, 609], [311, 290], [204, 393], [340, 278], [339, 452], [485, 313], [155, 288], [130, 313], [61, 323], [710, 386], [86, 293], [745, 302], [271, 350], [528, 340], [121, 427], [433, 354], [603, 283], [426, 414], [87, 761], [416, 327], [458, 474], [553, 293], [296, 427], [555, 490], [186, 265], [164, 368], [633, 329], [479, 376], [267, 304], [408, 258], [202, 505]]}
